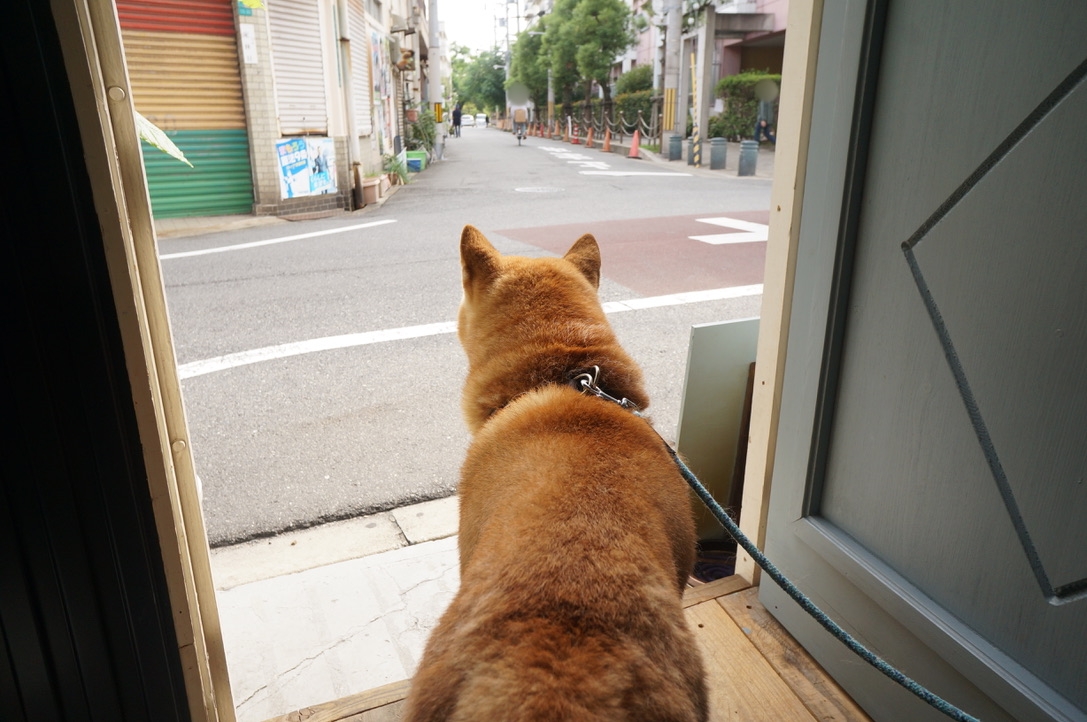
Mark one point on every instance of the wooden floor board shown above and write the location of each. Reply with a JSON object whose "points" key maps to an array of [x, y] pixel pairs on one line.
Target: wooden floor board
{"points": [[741, 682], [792, 663], [756, 672]]}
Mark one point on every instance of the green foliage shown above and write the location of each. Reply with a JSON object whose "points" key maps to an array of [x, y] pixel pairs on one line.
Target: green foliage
{"points": [[527, 65], [395, 165], [635, 80], [422, 132], [629, 104], [482, 84], [741, 106], [559, 48], [602, 30]]}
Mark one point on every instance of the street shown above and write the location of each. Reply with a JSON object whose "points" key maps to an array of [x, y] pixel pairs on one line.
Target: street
{"points": [[320, 368]]}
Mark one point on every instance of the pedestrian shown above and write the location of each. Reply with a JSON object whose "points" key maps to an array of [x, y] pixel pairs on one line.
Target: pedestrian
{"points": [[456, 121], [762, 124]]}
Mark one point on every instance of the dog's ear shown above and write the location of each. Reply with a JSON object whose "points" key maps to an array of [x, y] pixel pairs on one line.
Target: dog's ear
{"points": [[585, 255], [479, 261]]}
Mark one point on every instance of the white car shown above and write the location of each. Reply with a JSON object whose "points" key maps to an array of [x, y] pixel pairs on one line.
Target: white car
{"points": [[466, 120], [481, 119]]}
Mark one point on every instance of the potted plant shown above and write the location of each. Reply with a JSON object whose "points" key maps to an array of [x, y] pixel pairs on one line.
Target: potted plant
{"points": [[397, 169]]}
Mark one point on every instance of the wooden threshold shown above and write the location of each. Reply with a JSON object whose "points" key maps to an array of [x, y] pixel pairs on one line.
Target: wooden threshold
{"points": [[755, 670]]}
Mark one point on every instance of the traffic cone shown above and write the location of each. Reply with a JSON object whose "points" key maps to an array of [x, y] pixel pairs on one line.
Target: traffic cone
{"points": [[607, 141], [634, 144], [574, 139], [589, 138]]}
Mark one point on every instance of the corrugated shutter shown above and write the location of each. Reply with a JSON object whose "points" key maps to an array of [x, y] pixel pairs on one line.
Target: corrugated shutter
{"points": [[184, 80], [182, 58], [207, 17], [361, 90], [299, 67], [220, 181]]}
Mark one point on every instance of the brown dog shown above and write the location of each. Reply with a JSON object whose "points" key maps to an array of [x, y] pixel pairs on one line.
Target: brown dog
{"points": [[576, 533]]}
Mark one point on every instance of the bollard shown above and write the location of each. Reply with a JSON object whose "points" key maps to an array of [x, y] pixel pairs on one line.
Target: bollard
{"points": [[718, 149], [749, 156], [690, 151], [675, 150]]}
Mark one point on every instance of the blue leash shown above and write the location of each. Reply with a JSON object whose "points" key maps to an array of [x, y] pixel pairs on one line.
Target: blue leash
{"points": [[585, 380], [818, 614]]}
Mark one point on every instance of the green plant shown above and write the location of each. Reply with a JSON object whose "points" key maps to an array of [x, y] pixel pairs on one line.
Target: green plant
{"points": [[741, 106], [635, 80], [421, 133], [395, 165]]}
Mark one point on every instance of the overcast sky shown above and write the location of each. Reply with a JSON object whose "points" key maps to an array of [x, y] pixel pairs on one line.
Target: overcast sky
{"points": [[472, 22]]}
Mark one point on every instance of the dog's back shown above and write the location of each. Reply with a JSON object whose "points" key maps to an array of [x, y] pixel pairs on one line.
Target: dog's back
{"points": [[576, 538]]}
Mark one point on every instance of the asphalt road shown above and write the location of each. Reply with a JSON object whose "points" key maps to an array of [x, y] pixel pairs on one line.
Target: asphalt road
{"points": [[320, 375]]}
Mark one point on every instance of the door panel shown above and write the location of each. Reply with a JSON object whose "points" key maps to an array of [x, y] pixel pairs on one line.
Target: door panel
{"points": [[929, 475]]}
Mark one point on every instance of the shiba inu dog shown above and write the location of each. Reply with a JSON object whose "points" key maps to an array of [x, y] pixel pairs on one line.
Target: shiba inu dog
{"points": [[576, 530]]}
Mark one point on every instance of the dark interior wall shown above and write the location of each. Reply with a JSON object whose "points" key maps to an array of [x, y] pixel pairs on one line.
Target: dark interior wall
{"points": [[84, 614]]}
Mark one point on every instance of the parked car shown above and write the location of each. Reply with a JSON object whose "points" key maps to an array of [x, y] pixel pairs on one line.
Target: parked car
{"points": [[481, 119], [466, 120]]}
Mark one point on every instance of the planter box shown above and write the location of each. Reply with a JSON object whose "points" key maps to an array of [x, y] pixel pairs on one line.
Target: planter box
{"points": [[416, 160], [371, 190]]}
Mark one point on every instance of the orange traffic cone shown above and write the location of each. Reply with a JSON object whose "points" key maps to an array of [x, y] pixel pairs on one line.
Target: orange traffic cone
{"points": [[589, 138], [607, 141], [574, 140], [634, 144]]}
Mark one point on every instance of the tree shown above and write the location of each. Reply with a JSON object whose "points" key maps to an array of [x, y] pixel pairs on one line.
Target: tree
{"points": [[602, 31], [485, 81], [559, 49], [528, 65]]}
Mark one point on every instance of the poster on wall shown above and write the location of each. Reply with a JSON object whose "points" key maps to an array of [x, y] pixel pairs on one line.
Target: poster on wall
{"points": [[307, 167]]}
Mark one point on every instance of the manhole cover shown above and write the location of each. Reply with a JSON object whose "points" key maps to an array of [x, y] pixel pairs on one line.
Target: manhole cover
{"points": [[538, 189]]}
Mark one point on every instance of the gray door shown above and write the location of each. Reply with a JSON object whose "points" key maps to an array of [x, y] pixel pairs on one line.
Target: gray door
{"points": [[929, 480]]}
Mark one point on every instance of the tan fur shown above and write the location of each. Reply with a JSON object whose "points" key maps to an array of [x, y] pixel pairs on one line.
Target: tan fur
{"points": [[576, 534]]}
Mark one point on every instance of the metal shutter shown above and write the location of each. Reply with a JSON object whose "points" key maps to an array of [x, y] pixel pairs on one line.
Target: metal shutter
{"points": [[361, 90], [185, 81], [182, 59], [299, 67]]}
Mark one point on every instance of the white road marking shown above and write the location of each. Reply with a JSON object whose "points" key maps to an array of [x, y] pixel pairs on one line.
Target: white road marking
{"points": [[631, 173], [749, 232], [328, 343], [271, 241]]}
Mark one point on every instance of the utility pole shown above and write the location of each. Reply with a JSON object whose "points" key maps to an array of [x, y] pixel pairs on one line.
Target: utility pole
{"points": [[434, 78], [673, 117]]}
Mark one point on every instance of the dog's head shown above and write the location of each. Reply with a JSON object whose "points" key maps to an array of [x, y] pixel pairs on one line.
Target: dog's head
{"points": [[524, 322]]}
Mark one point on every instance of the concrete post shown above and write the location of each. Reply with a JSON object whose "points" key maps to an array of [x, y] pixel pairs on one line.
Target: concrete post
{"points": [[703, 84], [749, 156], [675, 149], [718, 151]]}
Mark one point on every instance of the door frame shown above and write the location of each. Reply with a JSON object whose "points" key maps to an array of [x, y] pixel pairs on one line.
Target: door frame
{"points": [[90, 40]]}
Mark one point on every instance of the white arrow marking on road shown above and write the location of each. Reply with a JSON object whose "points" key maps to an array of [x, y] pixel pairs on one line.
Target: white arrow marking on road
{"points": [[271, 241], [328, 343], [592, 164], [750, 232]]}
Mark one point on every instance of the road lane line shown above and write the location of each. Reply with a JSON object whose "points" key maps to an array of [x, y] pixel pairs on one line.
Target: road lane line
{"points": [[271, 241], [328, 343], [618, 173], [748, 232]]}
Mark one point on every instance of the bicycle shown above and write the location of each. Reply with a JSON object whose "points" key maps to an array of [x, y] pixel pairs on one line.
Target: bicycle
{"points": [[520, 124]]}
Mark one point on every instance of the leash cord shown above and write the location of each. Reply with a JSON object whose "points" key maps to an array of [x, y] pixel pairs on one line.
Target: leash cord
{"points": [[809, 606]]}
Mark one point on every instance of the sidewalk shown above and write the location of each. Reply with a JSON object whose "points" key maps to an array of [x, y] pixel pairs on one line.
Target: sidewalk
{"points": [[315, 615]]}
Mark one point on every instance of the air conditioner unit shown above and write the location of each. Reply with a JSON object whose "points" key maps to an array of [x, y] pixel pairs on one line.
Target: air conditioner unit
{"points": [[400, 25]]}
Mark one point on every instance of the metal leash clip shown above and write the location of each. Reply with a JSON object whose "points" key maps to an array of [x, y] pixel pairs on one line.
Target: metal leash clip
{"points": [[586, 382]]}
